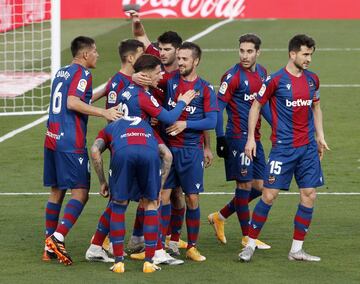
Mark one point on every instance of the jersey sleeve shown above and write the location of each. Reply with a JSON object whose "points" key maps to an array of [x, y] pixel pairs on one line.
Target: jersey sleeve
{"points": [[79, 84], [317, 88], [229, 83], [151, 49], [113, 93], [210, 99], [267, 90], [149, 104]]}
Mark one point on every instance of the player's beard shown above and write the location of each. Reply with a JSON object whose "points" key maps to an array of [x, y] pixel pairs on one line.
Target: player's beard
{"points": [[301, 67], [186, 72]]}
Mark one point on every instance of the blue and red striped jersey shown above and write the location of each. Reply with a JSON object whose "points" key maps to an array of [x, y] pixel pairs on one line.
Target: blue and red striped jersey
{"points": [[238, 89], [66, 129], [204, 101], [114, 88], [126, 132], [136, 101], [291, 99]]}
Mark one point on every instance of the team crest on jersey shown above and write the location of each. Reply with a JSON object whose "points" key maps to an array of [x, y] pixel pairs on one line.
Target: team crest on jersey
{"points": [[154, 101], [126, 95], [262, 90], [243, 171], [82, 85], [223, 88], [112, 96], [271, 179]]}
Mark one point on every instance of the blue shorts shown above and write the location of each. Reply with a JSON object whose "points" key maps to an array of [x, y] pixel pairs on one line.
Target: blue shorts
{"points": [[285, 161], [66, 170], [187, 170], [239, 167], [135, 173]]}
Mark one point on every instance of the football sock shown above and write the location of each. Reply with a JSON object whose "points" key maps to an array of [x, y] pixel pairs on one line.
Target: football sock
{"points": [[259, 216], [159, 244], [228, 209], [165, 220], [52, 212], [71, 214], [193, 226], [139, 222], [117, 230], [103, 227], [242, 209], [176, 222], [302, 222], [151, 226]]}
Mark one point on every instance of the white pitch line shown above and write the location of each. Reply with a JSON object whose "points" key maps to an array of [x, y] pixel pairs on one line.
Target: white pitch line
{"points": [[202, 193], [210, 29], [45, 117], [23, 128], [34, 123], [326, 49]]}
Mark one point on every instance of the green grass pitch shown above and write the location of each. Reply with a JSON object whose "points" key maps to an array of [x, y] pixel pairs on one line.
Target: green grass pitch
{"points": [[335, 230]]}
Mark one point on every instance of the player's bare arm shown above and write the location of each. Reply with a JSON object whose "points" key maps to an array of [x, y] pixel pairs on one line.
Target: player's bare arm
{"points": [[208, 155], [250, 147], [138, 28], [74, 103], [318, 123], [99, 94], [96, 149]]}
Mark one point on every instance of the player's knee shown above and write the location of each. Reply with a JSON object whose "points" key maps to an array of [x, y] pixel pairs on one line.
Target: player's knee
{"points": [[308, 196], [81, 195], [192, 201], [269, 196], [165, 196]]}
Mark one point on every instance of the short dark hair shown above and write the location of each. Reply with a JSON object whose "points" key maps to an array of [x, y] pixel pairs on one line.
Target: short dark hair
{"points": [[253, 38], [170, 37], [196, 50], [146, 62], [129, 46], [79, 43], [301, 40]]}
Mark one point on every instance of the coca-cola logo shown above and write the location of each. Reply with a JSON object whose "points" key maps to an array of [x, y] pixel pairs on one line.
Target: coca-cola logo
{"points": [[190, 8]]}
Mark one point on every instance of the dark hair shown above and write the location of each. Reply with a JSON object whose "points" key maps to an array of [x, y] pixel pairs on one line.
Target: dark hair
{"points": [[253, 38], [79, 43], [196, 50], [170, 37], [146, 62], [301, 40], [127, 47]]}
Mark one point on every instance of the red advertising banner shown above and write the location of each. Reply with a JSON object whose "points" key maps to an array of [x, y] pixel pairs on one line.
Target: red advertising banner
{"points": [[18, 13], [304, 9]]}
